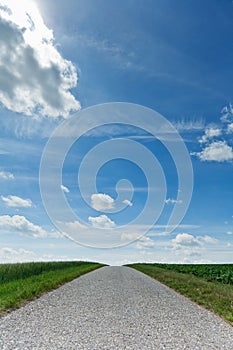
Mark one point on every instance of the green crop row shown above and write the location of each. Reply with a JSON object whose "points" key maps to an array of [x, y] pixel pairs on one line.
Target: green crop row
{"points": [[11, 272], [211, 272]]}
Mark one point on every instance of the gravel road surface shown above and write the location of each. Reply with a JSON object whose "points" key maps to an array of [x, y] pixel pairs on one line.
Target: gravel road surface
{"points": [[113, 308]]}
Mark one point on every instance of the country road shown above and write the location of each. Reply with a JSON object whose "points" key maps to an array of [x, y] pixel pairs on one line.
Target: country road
{"points": [[113, 308]]}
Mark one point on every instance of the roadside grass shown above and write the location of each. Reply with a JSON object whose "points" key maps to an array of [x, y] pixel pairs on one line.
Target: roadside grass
{"points": [[214, 296], [15, 290]]}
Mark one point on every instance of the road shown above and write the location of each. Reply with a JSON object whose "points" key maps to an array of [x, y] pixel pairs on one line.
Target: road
{"points": [[113, 308]]}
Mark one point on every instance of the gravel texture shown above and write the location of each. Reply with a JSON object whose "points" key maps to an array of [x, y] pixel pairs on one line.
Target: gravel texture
{"points": [[113, 308]]}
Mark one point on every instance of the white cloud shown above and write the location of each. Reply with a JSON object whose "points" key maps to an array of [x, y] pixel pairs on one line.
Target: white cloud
{"points": [[10, 255], [34, 78], [208, 239], [15, 255], [102, 221], [172, 201], [213, 148], [185, 239], [213, 132], [209, 134], [6, 175], [189, 125], [145, 243], [102, 202], [227, 114], [14, 201], [230, 128], [190, 244], [65, 189], [75, 225], [130, 236], [218, 151], [21, 225], [127, 202], [229, 232], [142, 242]]}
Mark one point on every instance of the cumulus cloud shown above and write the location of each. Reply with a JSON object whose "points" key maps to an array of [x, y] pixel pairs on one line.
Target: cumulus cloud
{"points": [[215, 148], [65, 189], [209, 134], [190, 244], [19, 224], [185, 239], [102, 202], [218, 151], [14, 201], [172, 201], [34, 78], [127, 202], [102, 221], [5, 175], [213, 132]]}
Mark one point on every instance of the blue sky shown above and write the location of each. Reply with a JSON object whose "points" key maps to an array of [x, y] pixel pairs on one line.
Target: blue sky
{"points": [[59, 58]]}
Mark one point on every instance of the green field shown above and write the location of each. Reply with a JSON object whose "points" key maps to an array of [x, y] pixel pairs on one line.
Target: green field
{"points": [[22, 282], [211, 272], [208, 285]]}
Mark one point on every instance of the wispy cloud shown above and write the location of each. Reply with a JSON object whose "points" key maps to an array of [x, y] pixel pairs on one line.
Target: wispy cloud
{"points": [[124, 58], [208, 239], [193, 125], [230, 128], [21, 126], [172, 201], [141, 243], [8, 254], [5, 175], [227, 114]]}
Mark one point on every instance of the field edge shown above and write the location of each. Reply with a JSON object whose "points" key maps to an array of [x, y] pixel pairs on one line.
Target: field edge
{"points": [[213, 296], [17, 293]]}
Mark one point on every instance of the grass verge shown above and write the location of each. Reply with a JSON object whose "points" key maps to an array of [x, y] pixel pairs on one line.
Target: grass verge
{"points": [[16, 292], [213, 296]]}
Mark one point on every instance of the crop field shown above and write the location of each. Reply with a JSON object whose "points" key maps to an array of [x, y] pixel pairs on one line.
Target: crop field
{"points": [[26, 281], [10, 272], [212, 272], [208, 285]]}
